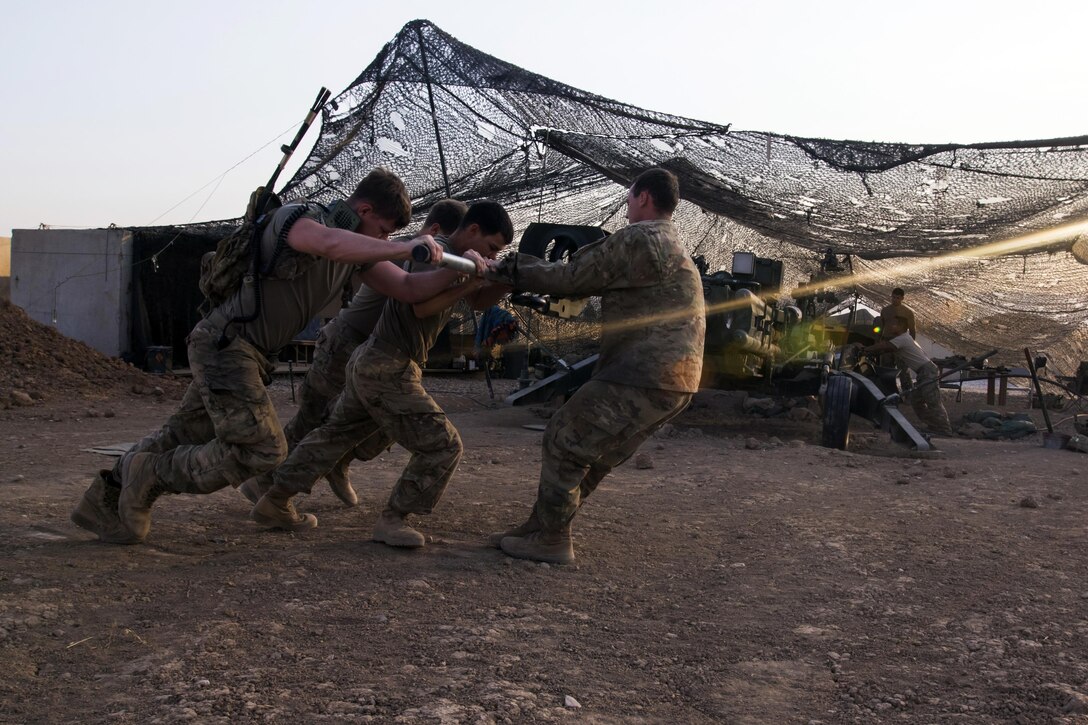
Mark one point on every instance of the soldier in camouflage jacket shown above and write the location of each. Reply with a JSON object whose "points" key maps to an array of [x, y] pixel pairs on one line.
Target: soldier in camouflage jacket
{"points": [[650, 363]]}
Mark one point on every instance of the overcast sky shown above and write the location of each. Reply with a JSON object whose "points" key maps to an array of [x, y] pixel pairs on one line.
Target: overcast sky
{"points": [[130, 112]]}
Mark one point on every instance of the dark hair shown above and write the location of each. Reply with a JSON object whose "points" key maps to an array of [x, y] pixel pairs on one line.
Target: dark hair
{"points": [[899, 291], [384, 191], [491, 218], [447, 214], [663, 187]]}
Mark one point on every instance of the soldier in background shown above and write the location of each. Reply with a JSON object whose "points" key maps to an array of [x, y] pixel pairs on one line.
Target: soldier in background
{"points": [[226, 429], [325, 379], [890, 312], [651, 358], [925, 397]]}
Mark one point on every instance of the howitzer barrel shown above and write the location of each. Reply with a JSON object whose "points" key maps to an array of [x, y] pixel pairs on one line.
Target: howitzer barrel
{"points": [[741, 341]]}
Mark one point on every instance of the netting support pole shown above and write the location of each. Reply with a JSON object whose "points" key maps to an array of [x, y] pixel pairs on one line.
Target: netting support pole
{"points": [[434, 114]]}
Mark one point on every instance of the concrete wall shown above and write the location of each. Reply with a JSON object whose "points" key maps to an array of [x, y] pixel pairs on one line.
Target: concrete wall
{"points": [[76, 280]]}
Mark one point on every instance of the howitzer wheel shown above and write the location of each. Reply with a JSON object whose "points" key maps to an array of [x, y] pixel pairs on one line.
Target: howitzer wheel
{"points": [[836, 418]]}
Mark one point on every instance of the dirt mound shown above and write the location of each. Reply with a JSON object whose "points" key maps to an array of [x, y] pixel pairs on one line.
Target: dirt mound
{"points": [[39, 363]]}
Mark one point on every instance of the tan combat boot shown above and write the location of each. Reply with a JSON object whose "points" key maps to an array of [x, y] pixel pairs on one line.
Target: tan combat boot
{"points": [[140, 486], [254, 488], [97, 511], [276, 510], [554, 547], [393, 529], [341, 484], [530, 525]]}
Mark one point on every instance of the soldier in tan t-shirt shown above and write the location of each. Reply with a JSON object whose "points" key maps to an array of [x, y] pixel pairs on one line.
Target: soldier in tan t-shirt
{"points": [[384, 398], [889, 313], [324, 380], [925, 397]]}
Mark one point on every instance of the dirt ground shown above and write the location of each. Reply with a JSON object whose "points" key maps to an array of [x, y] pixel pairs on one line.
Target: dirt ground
{"points": [[749, 576]]}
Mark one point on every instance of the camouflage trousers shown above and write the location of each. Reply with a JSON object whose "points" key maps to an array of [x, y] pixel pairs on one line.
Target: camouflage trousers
{"points": [[322, 385], [599, 428], [925, 398], [225, 430], [383, 402], [324, 380]]}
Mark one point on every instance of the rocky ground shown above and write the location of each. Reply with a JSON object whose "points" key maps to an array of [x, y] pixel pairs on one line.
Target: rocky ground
{"points": [[741, 575]]}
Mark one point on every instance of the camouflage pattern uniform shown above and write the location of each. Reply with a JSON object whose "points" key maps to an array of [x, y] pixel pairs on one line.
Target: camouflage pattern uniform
{"points": [[226, 429], [653, 327], [383, 401], [925, 398], [324, 381]]}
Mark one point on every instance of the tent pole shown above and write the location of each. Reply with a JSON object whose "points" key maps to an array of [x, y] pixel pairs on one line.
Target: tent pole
{"points": [[434, 115]]}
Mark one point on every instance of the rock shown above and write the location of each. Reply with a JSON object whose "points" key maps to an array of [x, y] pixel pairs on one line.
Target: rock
{"points": [[802, 414], [659, 447], [759, 406], [1029, 503], [159, 392], [797, 443], [109, 414], [665, 431], [17, 477], [91, 413], [902, 481], [775, 441], [752, 444], [644, 461], [21, 398], [1077, 704], [569, 701]]}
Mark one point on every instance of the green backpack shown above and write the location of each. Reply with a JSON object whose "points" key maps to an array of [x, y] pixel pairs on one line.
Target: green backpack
{"points": [[223, 271]]}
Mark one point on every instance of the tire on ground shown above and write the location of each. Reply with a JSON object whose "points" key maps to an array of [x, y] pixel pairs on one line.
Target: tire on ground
{"points": [[836, 417]]}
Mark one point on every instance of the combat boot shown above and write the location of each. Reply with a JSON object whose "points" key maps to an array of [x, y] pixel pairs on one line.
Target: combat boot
{"points": [[554, 547], [255, 488], [341, 485], [97, 511], [392, 529], [276, 510], [140, 486], [530, 525]]}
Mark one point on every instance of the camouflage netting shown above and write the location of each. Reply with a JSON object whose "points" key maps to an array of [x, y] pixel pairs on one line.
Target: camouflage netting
{"points": [[453, 121]]}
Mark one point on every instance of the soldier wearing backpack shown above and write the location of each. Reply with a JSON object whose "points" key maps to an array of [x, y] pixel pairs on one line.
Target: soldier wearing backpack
{"points": [[384, 400], [226, 430], [325, 379]]}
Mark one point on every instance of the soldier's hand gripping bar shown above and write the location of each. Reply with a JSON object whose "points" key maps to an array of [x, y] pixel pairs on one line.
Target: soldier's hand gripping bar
{"points": [[421, 254]]}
